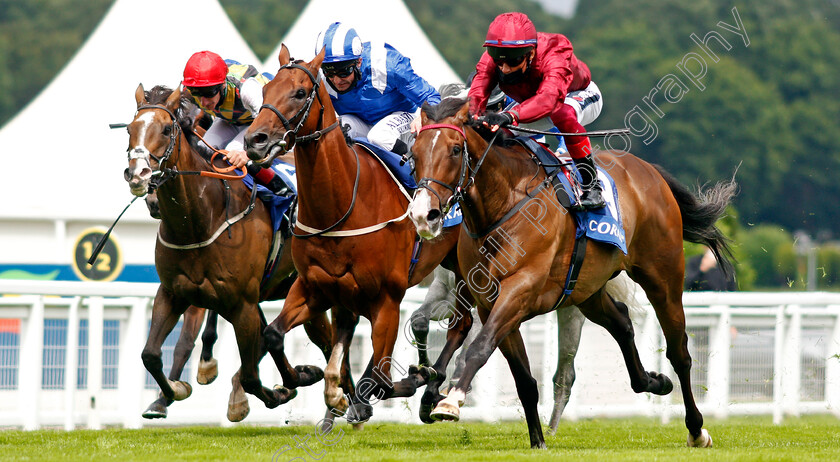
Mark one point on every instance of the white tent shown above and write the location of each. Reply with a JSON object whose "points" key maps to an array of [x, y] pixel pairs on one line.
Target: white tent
{"points": [[375, 20], [63, 163]]}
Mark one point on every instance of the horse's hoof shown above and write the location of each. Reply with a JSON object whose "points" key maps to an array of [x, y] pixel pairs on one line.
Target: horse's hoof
{"points": [[359, 413], [358, 426], [156, 410], [284, 395], [182, 390], [704, 440], [207, 371], [446, 411], [426, 414], [665, 384], [308, 375], [337, 401], [237, 411]]}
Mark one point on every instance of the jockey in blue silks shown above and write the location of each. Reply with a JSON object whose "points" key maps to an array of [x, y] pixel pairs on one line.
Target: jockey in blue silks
{"points": [[373, 88]]}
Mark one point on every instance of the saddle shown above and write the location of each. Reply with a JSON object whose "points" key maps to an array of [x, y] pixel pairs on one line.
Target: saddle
{"points": [[604, 224], [557, 170]]}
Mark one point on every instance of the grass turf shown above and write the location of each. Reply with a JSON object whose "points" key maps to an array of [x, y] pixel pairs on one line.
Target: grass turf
{"points": [[739, 438]]}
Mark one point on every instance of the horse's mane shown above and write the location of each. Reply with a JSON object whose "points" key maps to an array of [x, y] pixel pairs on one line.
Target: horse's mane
{"points": [[450, 106], [186, 115]]}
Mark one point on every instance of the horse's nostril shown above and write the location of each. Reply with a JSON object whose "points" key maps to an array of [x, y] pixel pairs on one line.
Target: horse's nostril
{"points": [[257, 139], [433, 215]]}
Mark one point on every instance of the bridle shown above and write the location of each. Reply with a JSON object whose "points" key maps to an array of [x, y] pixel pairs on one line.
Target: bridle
{"points": [[466, 176], [174, 137], [166, 173], [290, 138]]}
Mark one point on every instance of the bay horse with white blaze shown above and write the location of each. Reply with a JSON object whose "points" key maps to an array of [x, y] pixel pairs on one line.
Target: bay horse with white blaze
{"points": [[525, 273], [212, 246], [353, 244]]}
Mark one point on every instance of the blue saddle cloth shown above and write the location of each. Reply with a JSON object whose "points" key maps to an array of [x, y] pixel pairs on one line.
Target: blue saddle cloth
{"points": [[453, 217], [278, 206], [402, 172], [604, 224]]}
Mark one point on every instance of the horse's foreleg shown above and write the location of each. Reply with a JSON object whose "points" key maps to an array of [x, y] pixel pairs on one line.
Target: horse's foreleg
{"points": [[438, 304], [460, 328], [295, 312], [569, 325], [165, 314], [186, 342], [376, 381], [208, 367], [319, 330], [500, 322], [513, 348], [337, 371], [248, 326]]}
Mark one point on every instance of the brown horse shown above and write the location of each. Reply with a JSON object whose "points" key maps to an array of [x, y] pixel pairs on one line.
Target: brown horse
{"points": [[208, 366], [353, 245], [523, 272], [213, 243]]}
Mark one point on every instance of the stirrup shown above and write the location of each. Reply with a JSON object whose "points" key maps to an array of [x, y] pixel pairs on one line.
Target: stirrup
{"points": [[587, 202]]}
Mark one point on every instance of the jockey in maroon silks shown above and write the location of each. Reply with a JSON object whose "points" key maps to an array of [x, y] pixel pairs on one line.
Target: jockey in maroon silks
{"points": [[540, 72]]}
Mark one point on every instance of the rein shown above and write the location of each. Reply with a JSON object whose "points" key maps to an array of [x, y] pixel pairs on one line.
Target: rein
{"points": [[466, 176], [290, 139], [167, 173]]}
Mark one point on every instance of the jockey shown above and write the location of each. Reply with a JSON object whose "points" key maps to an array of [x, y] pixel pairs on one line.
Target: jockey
{"points": [[373, 88], [540, 72], [231, 93]]}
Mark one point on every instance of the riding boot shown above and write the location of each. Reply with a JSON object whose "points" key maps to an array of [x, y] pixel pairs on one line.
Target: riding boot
{"points": [[590, 197]]}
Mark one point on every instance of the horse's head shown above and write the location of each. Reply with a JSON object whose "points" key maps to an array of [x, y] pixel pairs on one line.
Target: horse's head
{"points": [[152, 135], [442, 163], [294, 108]]}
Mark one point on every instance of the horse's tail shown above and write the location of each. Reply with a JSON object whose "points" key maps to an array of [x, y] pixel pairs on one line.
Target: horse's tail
{"points": [[700, 213]]}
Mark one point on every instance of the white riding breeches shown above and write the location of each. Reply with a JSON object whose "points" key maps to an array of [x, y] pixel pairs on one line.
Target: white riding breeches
{"points": [[384, 133]]}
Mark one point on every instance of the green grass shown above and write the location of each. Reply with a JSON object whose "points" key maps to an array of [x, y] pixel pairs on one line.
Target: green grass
{"points": [[741, 438]]}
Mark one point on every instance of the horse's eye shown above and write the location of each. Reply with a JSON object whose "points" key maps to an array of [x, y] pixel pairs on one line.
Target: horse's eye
{"points": [[167, 130], [300, 94], [456, 150]]}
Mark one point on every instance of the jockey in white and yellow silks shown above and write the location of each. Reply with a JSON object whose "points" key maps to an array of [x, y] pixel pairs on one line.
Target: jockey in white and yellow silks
{"points": [[232, 93]]}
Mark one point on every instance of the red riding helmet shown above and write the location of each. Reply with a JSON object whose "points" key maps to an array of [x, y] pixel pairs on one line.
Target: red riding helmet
{"points": [[205, 69], [511, 30]]}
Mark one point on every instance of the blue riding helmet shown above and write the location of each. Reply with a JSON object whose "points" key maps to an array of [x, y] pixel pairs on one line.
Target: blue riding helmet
{"points": [[342, 43]]}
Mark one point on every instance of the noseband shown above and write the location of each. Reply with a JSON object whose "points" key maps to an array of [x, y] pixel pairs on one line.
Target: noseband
{"points": [[174, 138], [466, 177], [290, 138]]}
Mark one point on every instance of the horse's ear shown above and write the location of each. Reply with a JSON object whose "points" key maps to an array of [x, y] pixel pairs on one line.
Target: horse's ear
{"points": [[424, 119], [284, 56], [463, 115], [315, 64], [174, 100], [140, 95]]}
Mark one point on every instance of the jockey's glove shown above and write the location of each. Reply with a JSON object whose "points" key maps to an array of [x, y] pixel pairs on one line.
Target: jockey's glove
{"points": [[502, 119]]}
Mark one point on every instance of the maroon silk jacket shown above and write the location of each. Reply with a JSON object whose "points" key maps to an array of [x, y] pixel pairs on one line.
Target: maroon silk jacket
{"points": [[553, 72]]}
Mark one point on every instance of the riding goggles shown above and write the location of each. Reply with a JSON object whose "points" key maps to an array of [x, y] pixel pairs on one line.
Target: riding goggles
{"points": [[343, 72], [205, 92], [513, 57]]}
